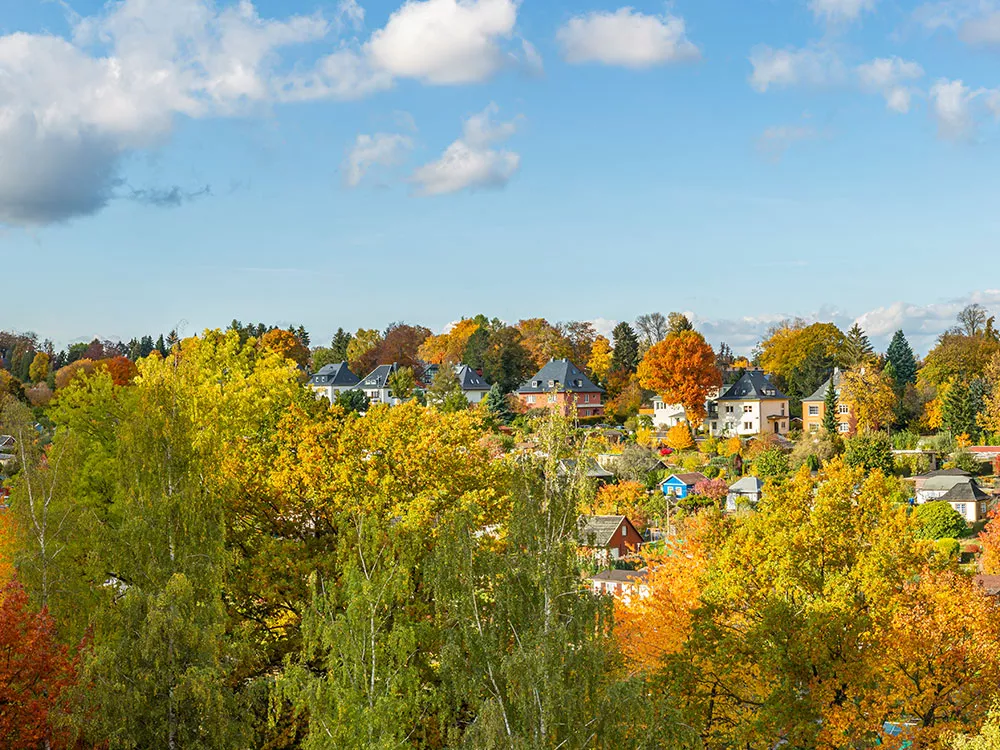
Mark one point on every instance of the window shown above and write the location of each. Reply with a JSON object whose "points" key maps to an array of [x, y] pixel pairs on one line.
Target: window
{"points": [[960, 507], [531, 399], [534, 383], [729, 410], [814, 428], [748, 425], [748, 408], [552, 398], [715, 426], [843, 427], [624, 530], [552, 384], [814, 411], [844, 409], [782, 410], [586, 398], [578, 383]]}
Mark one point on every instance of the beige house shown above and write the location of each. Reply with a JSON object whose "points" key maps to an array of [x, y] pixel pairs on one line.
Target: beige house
{"points": [[814, 408], [751, 406]]}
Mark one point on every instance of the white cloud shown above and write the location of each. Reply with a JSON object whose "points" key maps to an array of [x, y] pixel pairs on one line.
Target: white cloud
{"points": [[776, 140], [444, 41], [984, 30], [380, 149], [977, 22], [469, 162], [889, 76], [922, 324], [625, 37], [792, 67], [951, 104], [839, 11]]}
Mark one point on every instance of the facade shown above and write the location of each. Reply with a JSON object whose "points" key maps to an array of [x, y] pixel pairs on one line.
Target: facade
{"points": [[681, 485], [332, 380], [935, 484], [751, 406], [560, 385], [608, 536], [376, 385], [814, 408], [744, 493], [665, 416], [969, 500], [474, 385], [622, 584]]}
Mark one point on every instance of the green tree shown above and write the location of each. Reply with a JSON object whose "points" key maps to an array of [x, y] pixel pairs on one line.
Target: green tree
{"points": [[678, 323], [402, 382], [446, 392], [830, 405], [625, 357], [338, 345], [353, 400], [476, 347], [904, 364], [497, 405], [938, 520], [506, 362], [39, 369], [773, 463], [322, 356], [856, 349], [959, 408], [870, 451]]}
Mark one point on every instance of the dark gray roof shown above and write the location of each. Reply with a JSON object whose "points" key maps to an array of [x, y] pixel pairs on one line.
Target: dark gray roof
{"points": [[563, 375], [753, 386], [471, 380], [7, 440], [598, 531], [335, 374], [592, 469], [964, 492], [820, 394], [379, 377]]}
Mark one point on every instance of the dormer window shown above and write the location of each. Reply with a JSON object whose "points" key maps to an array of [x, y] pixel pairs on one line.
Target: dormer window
{"points": [[534, 383], [552, 383]]}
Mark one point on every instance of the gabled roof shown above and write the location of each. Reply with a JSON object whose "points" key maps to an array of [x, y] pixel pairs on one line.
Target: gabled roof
{"points": [[746, 486], [334, 374], [753, 386], [598, 531], [820, 394], [945, 482], [591, 468], [379, 377], [470, 380], [944, 473], [7, 440], [690, 479], [560, 375], [964, 492]]}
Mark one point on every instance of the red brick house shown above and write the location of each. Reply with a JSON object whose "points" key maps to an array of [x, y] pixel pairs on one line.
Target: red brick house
{"points": [[559, 385], [608, 536]]}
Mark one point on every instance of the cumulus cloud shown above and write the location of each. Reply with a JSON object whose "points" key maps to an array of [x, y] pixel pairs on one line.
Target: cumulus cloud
{"points": [[471, 162], [977, 22], [807, 66], [625, 37], [444, 41], [984, 30], [951, 105], [922, 324], [840, 11], [380, 149], [889, 76], [72, 109]]}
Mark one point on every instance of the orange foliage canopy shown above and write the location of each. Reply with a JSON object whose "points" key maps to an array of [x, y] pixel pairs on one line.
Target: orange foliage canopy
{"points": [[448, 347], [66, 374], [989, 540], [286, 344], [121, 369], [35, 671], [682, 370], [623, 499]]}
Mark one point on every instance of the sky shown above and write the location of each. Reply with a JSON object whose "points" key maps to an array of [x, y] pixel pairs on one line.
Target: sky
{"points": [[181, 163]]}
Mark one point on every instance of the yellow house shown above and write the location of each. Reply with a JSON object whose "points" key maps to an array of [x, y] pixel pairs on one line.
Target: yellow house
{"points": [[814, 409]]}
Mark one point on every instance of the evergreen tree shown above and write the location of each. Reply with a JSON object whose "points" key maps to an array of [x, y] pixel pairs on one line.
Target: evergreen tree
{"points": [[506, 362], [303, 336], [497, 405], [625, 357], [958, 410], [830, 405], [172, 339], [857, 349], [146, 346], [161, 346], [338, 345], [353, 400], [476, 347], [903, 362]]}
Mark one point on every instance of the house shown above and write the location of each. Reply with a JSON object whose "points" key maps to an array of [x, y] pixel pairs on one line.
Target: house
{"points": [[608, 536], [744, 493], [934, 484], [589, 466], [814, 408], [376, 385], [969, 500], [622, 584], [474, 385], [7, 442], [984, 453], [664, 415], [332, 380], [560, 385], [681, 485], [751, 406]]}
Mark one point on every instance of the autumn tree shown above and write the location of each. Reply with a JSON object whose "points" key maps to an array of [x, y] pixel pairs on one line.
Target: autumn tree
{"points": [[544, 341], [446, 392], [652, 328], [989, 540], [681, 369], [402, 382], [66, 374], [449, 347], [39, 369], [989, 416], [869, 393], [678, 323], [285, 344], [800, 357], [599, 364], [506, 361], [401, 345], [628, 498], [679, 437], [361, 351]]}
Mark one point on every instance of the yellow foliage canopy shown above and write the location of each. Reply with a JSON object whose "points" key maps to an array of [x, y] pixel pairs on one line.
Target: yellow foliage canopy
{"points": [[449, 347]]}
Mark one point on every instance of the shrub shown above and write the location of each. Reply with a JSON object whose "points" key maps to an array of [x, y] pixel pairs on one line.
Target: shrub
{"points": [[822, 447], [771, 464], [965, 461], [938, 520], [709, 446], [905, 441], [913, 465], [870, 452], [679, 437]]}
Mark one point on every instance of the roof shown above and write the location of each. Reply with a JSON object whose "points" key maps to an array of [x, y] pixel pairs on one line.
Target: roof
{"points": [[820, 394], [591, 468], [7, 440], [560, 375], [989, 584], [379, 377], [598, 531], [470, 380], [944, 473], [964, 492], [623, 576], [690, 479], [746, 486], [946, 483], [753, 386], [334, 374]]}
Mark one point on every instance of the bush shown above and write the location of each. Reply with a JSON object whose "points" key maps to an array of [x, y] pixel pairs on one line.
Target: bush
{"points": [[905, 441], [821, 446], [709, 446], [965, 461], [870, 452], [943, 442], [947, 549], [909, 466], [771, 464], [938, 520]]}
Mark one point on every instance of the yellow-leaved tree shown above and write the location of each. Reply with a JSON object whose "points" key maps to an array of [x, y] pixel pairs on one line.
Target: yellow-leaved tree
{"points": [[871, 395]]}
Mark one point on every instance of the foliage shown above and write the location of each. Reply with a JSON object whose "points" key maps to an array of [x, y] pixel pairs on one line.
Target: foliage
{"points": [[544, 341], [625, 395], [715, 490], [354, 400], [822, 447], [446, 392], [964, 460], [904, 363], [772, 463], [627, 499], [938, 520], [801, 356], [39, 369], [625, 357], [870, 394], [497, 404], [870, 452], [121, 369], [449, 347], [830, 403], [599, 363], [681, 369], [732, 446], [506, 362], [679, 437], [361, 351], [65, 375], [652, 327], [988, 737], [285, 344], [989, 418], [856, 350], [401, 383], [339, 344], [960, 406], [989, 541], [400, 346]]}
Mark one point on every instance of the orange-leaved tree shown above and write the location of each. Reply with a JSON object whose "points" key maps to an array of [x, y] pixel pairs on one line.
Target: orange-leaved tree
{"points": [[989, 540], [623, 499], [679, 437], [286, 344], [682, 370], [121, 369], [450, 346]]}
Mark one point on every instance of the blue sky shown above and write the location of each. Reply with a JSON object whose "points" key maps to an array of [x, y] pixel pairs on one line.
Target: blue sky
{"points": [[356, 163]]}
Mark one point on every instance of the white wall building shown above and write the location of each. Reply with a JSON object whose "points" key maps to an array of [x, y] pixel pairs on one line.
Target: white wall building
{"points": [[751, 406]]}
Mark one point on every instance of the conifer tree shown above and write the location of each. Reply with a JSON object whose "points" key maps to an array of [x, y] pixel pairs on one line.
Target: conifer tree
{"points": [[498, 407], [856, 349], [625, 357], [338, 345], [830, 422], [903, 362]]}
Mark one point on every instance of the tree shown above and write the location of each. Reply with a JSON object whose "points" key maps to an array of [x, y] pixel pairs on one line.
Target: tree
{"points": [[402, 382], [681, 369], [989, 417], [476, 347], [599, 363], [959, 408], [338, 345], [361, 351], [285, 344], [498, 406], [771, 463], [653, 328], [724, 358], [973, 320], [989, 540], [938, 520], [679, 437], [856, 349], [627, 498], [506, 362], [401, 346], [544, 341], [35, 673], [716, 490], [871, 396], [678, 323], [39, 369], [449, 347], [800, 357], [121, 369], [903, 362], [987, 739], [626, 352], [446, 392], [581, 337], [870, 452], [353, 400], [322, 356], [830, 403]]}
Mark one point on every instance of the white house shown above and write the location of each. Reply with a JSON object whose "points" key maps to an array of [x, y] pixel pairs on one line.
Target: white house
{"points": [[751, 406], [376, 385], [744, 493], [332, 380], [666, 416], [474, 385], [969, 500], [622, 584]]}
